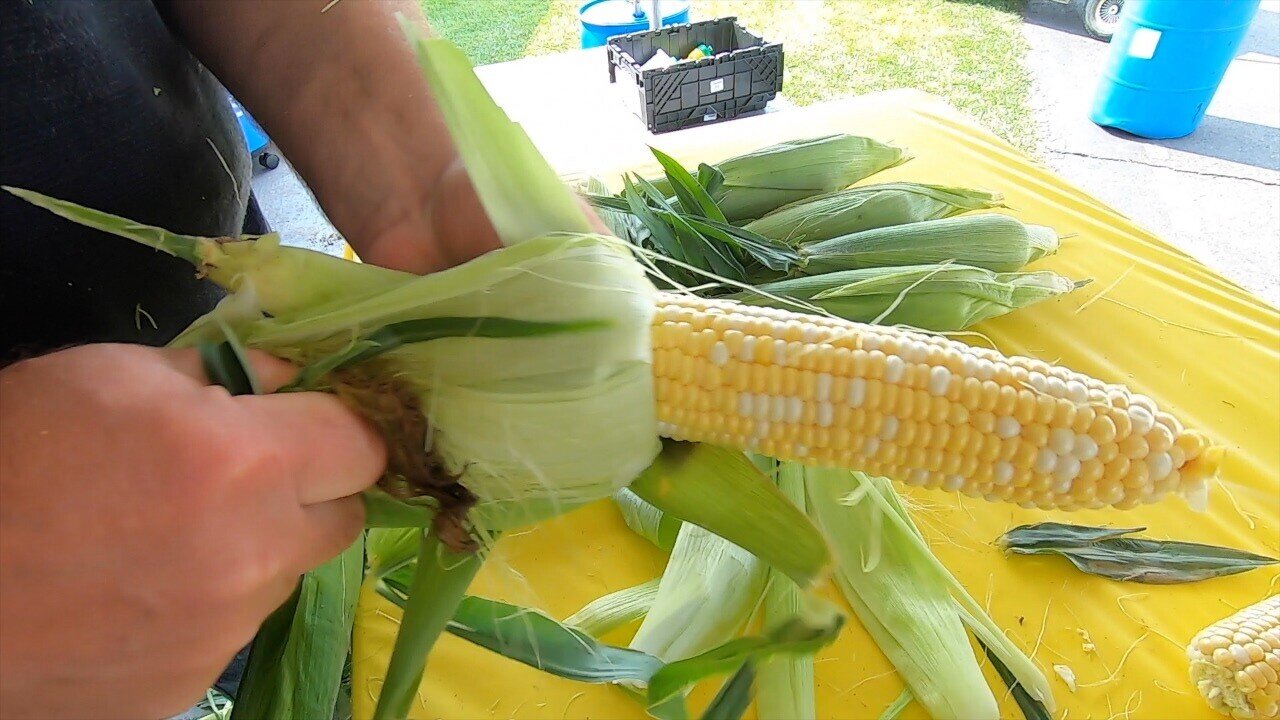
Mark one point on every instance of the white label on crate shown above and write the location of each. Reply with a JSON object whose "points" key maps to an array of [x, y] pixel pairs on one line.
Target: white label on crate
{"points": [[709, 115], [1144, 42], [716, 85]]}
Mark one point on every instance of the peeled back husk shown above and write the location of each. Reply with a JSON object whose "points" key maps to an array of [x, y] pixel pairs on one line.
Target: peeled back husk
{"points": [[944, 297], [533, 426], [708, 593], [895, 593], [995, 242], [868, 207]]}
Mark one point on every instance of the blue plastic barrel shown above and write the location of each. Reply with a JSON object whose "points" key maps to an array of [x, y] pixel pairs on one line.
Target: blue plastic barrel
{"points": [[254, 137], [603, 19], [1167, 59]]}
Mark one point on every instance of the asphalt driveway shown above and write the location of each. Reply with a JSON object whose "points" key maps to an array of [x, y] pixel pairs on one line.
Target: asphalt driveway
{"points": [[1216, 193]]}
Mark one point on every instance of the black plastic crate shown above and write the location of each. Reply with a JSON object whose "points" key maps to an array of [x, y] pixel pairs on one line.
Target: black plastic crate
{"points": [[742, 77]]}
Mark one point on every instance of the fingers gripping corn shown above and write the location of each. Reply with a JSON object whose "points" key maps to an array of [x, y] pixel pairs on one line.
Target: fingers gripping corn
{"points": [[920, 409]]}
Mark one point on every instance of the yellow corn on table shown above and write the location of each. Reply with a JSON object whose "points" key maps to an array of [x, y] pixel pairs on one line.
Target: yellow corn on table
{"points": [[1154, 318]]}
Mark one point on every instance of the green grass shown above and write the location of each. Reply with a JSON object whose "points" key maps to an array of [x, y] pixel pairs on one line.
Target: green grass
{"points": [[489, 31], [969, 52]]}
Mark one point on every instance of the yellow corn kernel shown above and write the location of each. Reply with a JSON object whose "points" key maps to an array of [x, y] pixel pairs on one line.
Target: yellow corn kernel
{"points": [[1230, 666], [819, 390]]}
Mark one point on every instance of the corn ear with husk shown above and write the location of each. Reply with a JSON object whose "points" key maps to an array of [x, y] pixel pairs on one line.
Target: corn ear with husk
{"points": [[868, 207], [936, 297], [995, 242], [752, 185]]}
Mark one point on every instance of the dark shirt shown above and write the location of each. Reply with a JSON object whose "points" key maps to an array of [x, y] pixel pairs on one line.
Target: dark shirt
{"points": [[102, 105]]}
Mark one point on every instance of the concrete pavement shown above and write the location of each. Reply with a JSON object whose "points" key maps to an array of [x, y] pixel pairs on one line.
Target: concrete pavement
{"points": [[1214, 194]]}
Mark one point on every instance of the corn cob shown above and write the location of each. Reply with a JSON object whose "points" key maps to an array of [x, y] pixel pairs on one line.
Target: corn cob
{"points": [[866, 208], [920, 409], [1236, 662], [995, 242]]}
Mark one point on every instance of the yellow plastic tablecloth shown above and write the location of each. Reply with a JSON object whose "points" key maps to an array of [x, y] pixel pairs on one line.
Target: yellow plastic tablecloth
{"points": [[1154, 319]]}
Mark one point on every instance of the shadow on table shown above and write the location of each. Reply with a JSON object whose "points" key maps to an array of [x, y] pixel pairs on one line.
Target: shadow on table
{"points": [[1223, 138]]}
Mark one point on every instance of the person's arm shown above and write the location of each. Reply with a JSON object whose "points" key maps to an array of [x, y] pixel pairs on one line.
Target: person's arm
{"points": [[341, 94]]}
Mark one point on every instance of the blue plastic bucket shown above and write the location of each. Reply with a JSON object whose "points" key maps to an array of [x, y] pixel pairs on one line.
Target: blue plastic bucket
{"points": [[603, 19], [1167, 59]]}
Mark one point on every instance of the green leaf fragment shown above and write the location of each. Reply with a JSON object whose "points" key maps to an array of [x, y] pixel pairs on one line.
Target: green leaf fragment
{"points": [[786, 687], [610, 612], [1054, 534], [806, 635], [441, 578], [734, 698], [1032, 709], [720, 490], [691, 194], [296, 663], [1104, 552], [396, 335], [646, 520], [897, 706], [708, 593]]}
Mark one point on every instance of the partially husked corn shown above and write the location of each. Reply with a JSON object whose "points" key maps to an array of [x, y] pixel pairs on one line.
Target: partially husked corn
{"points": [[1235, 662], [920, 409]]}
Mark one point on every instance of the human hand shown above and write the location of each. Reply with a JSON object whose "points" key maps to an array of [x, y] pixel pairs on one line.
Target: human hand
{"points": [[149, 522], [449, 228]]}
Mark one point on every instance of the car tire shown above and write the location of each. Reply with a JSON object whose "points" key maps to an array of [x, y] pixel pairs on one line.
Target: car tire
{"points": [[1100, 17]]}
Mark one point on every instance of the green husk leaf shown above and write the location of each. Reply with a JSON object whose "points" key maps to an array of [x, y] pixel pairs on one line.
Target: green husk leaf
{"points": [[522, 196], [1060, 535], [646, 520], [1103, 552], [187, 247], [868, 207], [262, 682], [441, 578], [298, 673], [703, 253], [942, 297], [1032, 709], [897, 706], [383, 511], [900, 600], [532, 638], [710, 178], [610, 612], [396, 335], [692, 196], [769, 254], [661, 233], [734, 698], [707, 595], [786, 687], [819, 627], [720, 490], [973, 614]]}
